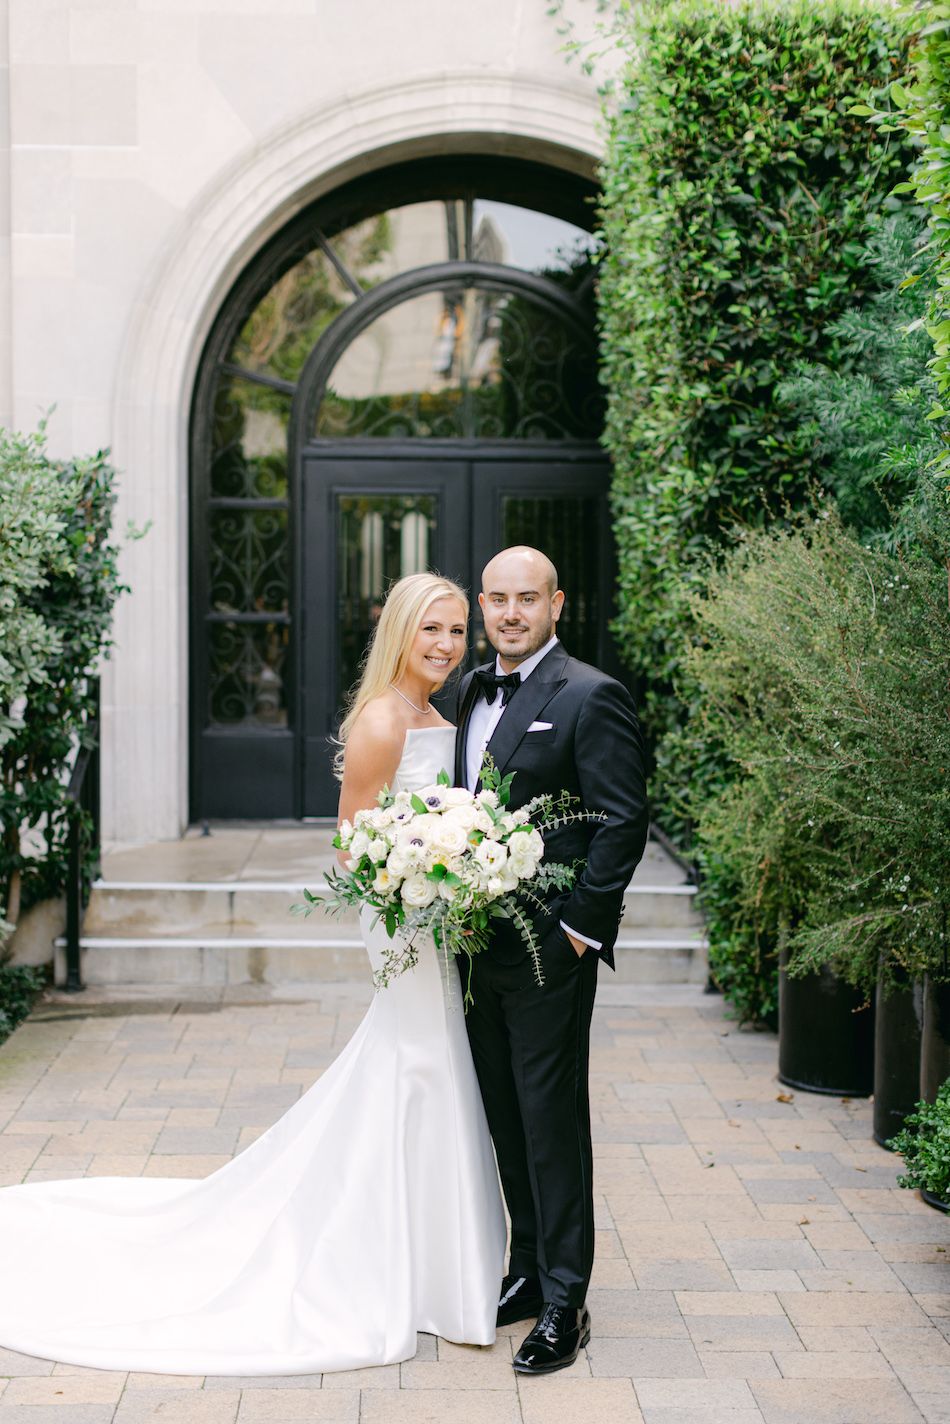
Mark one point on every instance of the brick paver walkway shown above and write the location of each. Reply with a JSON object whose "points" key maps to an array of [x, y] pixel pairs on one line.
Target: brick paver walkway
{"points": [[755, 1260]]}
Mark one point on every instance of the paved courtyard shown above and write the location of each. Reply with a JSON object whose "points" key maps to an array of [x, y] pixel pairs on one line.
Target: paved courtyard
{"points": [[755, 1260]]}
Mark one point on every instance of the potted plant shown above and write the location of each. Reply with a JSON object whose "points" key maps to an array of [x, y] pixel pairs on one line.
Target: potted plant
{"points": [[898, 1073], [924, 1145]]}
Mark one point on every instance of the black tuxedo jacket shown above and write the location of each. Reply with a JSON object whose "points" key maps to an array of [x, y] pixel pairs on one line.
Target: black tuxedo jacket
{"points": [[594, 751]]}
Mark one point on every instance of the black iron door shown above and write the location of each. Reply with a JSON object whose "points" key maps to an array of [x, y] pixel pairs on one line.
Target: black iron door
{"points": [[367, 518]]}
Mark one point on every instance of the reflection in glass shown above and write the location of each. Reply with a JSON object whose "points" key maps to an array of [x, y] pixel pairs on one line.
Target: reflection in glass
{"points": [[249, 441], [245, 685], [249, 560], [466, 363], [280, 333], [379, 538], [528, 239], [567, 528]]}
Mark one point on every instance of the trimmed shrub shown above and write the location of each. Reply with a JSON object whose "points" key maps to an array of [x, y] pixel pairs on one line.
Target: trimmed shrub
{"points": [[737, 189], [58, 584]]}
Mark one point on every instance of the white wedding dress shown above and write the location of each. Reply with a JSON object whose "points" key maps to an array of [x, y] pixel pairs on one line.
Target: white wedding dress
{"points": [[370, 1211]]}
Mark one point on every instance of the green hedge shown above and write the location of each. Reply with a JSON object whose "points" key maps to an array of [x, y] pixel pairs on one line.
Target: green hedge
{"points": [[737, 190], [58, 584]]}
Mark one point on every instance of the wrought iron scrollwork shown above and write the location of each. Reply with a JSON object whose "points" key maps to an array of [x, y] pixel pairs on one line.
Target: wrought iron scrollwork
{"points": [[249, 560], [501, 367], [245, 682]]}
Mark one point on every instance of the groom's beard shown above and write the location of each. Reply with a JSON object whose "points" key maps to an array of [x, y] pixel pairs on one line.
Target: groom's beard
{"points": [[536, 642]]}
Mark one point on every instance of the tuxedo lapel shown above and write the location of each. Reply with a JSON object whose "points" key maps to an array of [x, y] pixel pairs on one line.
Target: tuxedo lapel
{"points": [[531, 697], [467, 702]]}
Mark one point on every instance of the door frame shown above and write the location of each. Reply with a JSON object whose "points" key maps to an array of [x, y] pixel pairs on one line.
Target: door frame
{"points": [[466, 538]]}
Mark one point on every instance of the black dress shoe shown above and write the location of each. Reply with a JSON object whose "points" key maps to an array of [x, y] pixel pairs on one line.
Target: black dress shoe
{"points": [[555, 1342], [520, 1300]]}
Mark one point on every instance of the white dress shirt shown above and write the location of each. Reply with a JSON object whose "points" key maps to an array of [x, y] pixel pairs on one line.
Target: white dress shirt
{"points": [[482, 722]]}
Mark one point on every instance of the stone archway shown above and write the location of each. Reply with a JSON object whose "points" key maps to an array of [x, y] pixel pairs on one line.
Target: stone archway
{"points": [[145, 685]]}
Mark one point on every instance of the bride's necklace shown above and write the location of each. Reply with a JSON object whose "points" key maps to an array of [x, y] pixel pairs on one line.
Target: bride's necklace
{"points": [[423, 710]]}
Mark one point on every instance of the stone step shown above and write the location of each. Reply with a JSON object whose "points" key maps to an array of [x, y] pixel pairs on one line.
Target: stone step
{"points": [[146, 908], [222, 917], [660, 956]]}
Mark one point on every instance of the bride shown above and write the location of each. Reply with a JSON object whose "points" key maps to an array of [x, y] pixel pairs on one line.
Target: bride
{"points": [[370, 1211]]}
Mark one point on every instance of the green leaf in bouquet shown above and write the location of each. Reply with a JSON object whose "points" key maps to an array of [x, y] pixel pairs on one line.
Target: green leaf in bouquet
{"points": [[391, 923], [451, 878], [418, 805], [504, 788], [337, 841], [443, 778], [437, 873]]}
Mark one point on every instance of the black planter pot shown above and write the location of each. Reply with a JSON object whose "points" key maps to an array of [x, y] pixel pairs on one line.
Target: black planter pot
{"points": [[933, 1201], [825, 1036], [935, 1039], [898, 1022]]}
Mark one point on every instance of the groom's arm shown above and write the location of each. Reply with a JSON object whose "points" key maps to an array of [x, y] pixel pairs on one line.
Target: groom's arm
{"points": [[608, 755]]}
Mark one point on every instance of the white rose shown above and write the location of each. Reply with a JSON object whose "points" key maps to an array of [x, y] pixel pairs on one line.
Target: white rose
{"points": [[508, 878], [464, 816], [524, 866], [495, 886], [359, 845], [457, 796], [483, 822], [519, 843], [417, 891], [448, 892], [385, 882], [377, 850], [505, 823], [449, 836], [487, 798], [380, 819], [491, 854], [397, 864], [345, 831]]}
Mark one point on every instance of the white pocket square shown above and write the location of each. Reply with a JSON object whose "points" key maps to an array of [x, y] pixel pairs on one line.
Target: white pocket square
{"points": [[540, 726]]}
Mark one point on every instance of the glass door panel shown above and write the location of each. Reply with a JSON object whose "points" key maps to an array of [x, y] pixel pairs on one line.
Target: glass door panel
{"points": [[366, 522], [567, 528], [559, 506], [379, 539]]}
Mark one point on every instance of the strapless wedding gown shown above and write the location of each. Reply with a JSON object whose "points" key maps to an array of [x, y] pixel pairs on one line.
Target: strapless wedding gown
{"points": [[370, 1211]]}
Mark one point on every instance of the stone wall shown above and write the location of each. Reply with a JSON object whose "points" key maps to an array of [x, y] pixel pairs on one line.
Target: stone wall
{"points": [[153, 146]]}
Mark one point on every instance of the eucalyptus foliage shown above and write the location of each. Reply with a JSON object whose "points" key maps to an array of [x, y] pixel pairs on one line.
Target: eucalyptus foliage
{"points": [[737, 189]]}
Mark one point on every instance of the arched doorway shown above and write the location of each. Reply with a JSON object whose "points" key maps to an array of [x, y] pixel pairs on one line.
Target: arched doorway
{"points": [[404, 378]]}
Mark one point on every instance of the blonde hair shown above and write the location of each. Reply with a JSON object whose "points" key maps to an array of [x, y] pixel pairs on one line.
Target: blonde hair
{"points": [[388, 654]]}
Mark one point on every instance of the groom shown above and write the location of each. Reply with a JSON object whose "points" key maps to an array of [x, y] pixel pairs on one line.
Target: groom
{"points": [[559, 725]]}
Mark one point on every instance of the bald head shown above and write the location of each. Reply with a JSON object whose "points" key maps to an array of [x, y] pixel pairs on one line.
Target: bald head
{"points": [[525, 563], [521, 603]]}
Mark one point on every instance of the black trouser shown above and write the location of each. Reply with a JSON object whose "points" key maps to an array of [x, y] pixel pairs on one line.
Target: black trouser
{"points": [[531, 1048]]}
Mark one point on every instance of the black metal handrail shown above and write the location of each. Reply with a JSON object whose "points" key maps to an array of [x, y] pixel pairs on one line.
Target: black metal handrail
{"points": [[83, 794]]}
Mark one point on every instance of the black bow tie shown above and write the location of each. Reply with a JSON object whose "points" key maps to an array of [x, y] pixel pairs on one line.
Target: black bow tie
{"points": [[490, 683]]}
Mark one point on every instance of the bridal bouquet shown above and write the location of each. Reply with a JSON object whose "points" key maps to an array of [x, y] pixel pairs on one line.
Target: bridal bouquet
{"points": [[446, 861]]}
